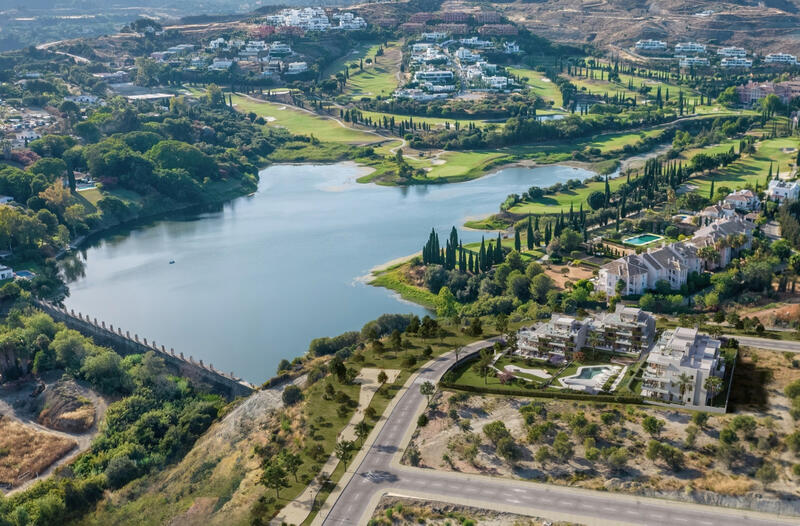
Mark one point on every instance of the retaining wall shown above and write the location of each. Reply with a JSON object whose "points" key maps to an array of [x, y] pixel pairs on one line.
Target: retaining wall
{"points": [[226, 384]]}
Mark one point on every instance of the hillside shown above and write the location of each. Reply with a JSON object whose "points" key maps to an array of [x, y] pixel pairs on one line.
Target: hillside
{"points": [[760, 26]]}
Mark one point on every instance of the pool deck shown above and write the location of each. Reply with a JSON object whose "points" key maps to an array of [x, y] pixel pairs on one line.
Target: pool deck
{"points": [[589, 385]]}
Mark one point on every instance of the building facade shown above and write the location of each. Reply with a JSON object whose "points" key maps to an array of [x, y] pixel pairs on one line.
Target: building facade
{"points": [[678, 366]]}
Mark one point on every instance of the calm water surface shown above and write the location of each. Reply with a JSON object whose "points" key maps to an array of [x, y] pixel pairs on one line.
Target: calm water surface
{"points": [[255, 281]]}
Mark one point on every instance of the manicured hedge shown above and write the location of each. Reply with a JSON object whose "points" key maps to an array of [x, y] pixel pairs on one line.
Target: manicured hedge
{"points": [[565, 395]]}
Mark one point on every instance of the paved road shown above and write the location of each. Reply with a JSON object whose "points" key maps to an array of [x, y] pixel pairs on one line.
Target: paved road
{"points": [[377, 475], [767, 343]]}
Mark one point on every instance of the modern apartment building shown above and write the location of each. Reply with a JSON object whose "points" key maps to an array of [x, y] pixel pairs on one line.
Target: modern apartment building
{"points": [[627, 330], [736, 62], [690, 47], [561, 336], [678, 366], [732, 51], [651, 45], [780, 58], [689, 62]]}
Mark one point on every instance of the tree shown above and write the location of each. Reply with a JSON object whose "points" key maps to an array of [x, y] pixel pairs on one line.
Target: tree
{"points": [[501, 323], [291, 462], [274, 477], [684, 383], [475, 328], [362, 431], [292, 394], [713, 384], [427, 389], [540, 286], [562, 446], [767, 474], [445, 303], [344, 451], [596, 200], [570, 240], [653, 425], [382, 378]]}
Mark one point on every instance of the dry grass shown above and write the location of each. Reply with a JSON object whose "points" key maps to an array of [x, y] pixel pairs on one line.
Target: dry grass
{"points": [[725, 484], [24, 449]]}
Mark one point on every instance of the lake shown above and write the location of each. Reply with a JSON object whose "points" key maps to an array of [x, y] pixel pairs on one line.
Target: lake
{"points": [[256, 280]]}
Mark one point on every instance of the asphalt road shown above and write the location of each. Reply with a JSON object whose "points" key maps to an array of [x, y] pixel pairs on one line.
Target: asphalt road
{"points": [[376, 475], [766, 343]]}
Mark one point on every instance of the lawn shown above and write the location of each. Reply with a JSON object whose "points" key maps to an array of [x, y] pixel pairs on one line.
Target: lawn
{"points": [[433, 121], [378, 78], [541, 85], [553, 204], [303, 123], [751, 168]]}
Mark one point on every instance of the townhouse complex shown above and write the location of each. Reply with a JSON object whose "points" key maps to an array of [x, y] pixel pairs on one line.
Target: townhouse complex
{"points": [[627, 330], [752, 92], [673, 263], [678, 366]]}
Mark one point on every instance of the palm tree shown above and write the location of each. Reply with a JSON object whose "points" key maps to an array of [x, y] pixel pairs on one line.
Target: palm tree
{"points": [[709, 255], [684, 383]]}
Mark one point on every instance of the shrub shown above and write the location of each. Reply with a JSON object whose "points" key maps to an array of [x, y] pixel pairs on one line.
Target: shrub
{"points": [[291, 395]]}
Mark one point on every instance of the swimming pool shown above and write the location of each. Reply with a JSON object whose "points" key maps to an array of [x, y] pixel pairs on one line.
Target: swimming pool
{"points": [[591, 372], [642, 239]]}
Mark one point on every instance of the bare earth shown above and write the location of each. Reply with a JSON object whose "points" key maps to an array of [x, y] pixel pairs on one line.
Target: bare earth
{"points": [[445, 444], [408, 511]]}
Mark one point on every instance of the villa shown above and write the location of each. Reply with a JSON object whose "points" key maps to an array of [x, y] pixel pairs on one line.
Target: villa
{"points": [[743, 200], [678, 366], [674, 263], [651, 45], [781, 191], [6, 272]]}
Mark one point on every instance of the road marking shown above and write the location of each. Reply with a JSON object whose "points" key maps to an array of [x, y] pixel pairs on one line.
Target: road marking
{"points": [[680, 519], [609, 508], [514, 501]]}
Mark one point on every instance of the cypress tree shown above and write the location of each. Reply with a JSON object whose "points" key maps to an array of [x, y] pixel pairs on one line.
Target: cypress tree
{"points": [[517, 241], [711, 191], [498, 251], [529, 234], [482, 255]]}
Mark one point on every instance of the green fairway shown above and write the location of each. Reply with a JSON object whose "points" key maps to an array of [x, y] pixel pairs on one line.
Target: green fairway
{"points": [[541, 85], [553, 204], [461, 165], [751, 168], [303, 123]]}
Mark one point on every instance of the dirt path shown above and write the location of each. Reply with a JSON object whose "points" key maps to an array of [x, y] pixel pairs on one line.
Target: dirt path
{"points": [[8, 401]]}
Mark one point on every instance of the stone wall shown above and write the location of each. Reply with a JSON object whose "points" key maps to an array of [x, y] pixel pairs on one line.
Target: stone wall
{"points": [[124, 343]]}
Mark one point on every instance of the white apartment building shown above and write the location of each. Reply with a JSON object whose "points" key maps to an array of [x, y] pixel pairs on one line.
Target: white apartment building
{"points": [[729, 230], [678, 366], [780, 58], [690, 47], [350, 22], [496, 82], [217, 43], [466, 55], [293, 68], [732, 51], [651, 45], [308, 18], [435, 76], [689, 62], [736, 62], [510, 48], [476, 42], [673, 263], [220, 65], [434, 36], [280, 49], [781, 191]]}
